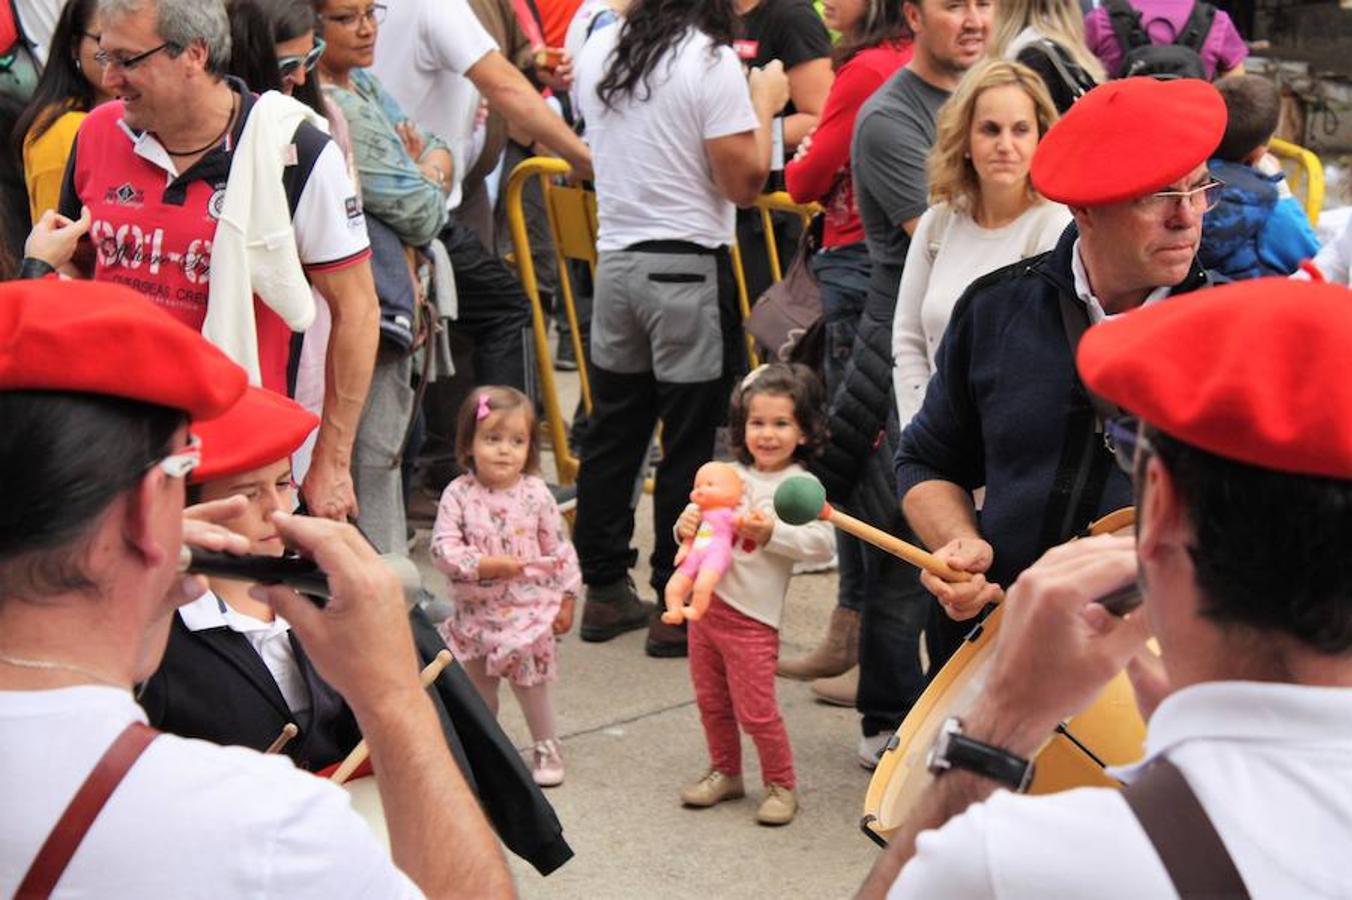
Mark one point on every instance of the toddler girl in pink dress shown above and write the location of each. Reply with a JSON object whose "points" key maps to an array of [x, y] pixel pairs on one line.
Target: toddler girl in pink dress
{"points": [[513, 573]]}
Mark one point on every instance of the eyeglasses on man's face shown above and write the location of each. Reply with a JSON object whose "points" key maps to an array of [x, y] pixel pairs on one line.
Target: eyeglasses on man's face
{"points": [[1128, 443], [182, 461], [1201, 199], [288, 65], [127, 63], [372, 15]]}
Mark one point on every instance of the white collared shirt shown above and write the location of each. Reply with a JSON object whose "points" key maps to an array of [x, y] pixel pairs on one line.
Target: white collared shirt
{"points": [[1270, 763], [190, 820], [271, 640], [1086, 293]]}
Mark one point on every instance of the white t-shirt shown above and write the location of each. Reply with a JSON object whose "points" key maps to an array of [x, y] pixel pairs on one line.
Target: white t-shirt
{"points": [[1270, 763], [591, 17], [423, 50], [653, 178], [190, 819], [38, 18], [939, 268]]}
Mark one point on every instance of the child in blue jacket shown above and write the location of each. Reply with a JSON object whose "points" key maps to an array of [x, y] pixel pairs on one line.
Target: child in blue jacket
{"points": [[1257, 228]]}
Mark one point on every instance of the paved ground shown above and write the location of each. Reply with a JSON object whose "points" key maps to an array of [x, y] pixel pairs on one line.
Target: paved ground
{"points": [[631, 738]]}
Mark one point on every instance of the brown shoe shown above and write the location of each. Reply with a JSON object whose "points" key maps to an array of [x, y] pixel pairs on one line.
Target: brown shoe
{"points": [[712, 789], [665, 641], [613, 609], [779, 806], [839, 691], [835, 655]]}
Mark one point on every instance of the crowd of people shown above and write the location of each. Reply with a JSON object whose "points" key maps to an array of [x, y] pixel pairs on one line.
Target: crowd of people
{"points": [[263, 302]]}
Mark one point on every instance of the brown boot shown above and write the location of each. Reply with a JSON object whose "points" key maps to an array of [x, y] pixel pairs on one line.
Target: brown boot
{"points": [[839, 691], [613, 609], [838, 651]]}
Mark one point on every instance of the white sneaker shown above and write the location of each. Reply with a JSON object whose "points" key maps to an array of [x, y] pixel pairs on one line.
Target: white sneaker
{"points": [[547, 763], [871, 749]]}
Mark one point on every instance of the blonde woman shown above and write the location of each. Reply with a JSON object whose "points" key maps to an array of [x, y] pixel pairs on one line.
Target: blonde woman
{"points": [[984, 213], [1048, 37]]}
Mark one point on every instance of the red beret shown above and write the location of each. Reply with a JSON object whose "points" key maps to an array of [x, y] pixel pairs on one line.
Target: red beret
{"points": [[101, 338], [1254, 371], [260, 429], [1128, 138]]}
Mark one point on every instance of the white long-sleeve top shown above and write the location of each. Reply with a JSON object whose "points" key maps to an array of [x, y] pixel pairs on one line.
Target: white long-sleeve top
{"points": [[758, 579], [254, 248], [949, 251]]}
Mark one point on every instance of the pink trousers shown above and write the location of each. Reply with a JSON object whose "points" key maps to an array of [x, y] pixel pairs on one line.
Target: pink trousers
{"points": [[732, 666]]}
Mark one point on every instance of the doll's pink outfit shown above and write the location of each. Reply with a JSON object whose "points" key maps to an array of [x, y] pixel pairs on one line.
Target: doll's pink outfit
{"points": [[508, 622], [712, 548]]}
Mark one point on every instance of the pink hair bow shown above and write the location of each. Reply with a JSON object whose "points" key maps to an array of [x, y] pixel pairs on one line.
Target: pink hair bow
{"points": [[484, 408]]}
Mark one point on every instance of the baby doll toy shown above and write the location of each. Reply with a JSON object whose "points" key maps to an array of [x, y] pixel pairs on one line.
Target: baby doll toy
{"points": [[703, 559]]}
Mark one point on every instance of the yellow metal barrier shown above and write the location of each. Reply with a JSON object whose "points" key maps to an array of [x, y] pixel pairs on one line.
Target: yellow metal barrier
{"points": [[1307, 181], [562, 210]]}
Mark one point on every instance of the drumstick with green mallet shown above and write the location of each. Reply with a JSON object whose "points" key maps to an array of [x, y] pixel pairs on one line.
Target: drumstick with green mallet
{"points": [[801, 499]]}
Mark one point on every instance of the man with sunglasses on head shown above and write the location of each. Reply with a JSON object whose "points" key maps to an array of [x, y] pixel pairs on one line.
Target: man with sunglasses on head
{"points": [[98, 396], [1004, 410], [1240, 449], [153, 168]]}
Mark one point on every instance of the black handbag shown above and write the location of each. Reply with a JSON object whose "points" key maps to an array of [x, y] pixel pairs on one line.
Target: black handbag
{"points": [[783, 319]]}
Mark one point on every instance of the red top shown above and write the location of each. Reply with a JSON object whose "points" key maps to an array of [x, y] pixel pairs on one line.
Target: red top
{"points": [[823, 175]]}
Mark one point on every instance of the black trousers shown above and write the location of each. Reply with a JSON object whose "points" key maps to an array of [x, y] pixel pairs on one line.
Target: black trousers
{"points": [[494, 311], [626, 409]]}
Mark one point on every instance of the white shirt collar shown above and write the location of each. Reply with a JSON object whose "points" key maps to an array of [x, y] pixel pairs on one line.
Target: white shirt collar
{"points": [[1247, 711], [1086, 294], [210, 611]]}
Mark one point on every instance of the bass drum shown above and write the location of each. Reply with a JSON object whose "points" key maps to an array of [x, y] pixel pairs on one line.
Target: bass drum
{"points": [[1109, 733], [366, 802]]}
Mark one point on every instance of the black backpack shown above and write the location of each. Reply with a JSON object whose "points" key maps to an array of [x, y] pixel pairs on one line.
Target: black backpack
{"points": [[1181, 59]]}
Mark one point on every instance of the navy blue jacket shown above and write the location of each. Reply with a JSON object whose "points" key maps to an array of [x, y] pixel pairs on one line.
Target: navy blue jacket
{"points": [[1006, 409]]}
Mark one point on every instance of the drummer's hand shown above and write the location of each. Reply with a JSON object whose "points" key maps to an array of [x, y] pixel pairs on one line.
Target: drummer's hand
{"points": [[963, 600], [360, 641], [1057, 648], [202, 527]]}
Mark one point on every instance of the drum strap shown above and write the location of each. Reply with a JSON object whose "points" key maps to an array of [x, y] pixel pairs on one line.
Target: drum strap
{"points": [[1183, 834], [84, 808]]}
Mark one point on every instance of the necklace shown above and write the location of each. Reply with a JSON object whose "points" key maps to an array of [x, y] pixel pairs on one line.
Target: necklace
{"points": [[214, 141], [48, 665]]}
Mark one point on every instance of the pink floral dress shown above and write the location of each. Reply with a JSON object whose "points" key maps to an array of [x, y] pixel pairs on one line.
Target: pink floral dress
{"points": [[508, 622]]}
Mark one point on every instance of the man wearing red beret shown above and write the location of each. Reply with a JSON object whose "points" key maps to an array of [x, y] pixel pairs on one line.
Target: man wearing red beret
{"points": [[97, 394], [1240, 445], [1004, 409]]}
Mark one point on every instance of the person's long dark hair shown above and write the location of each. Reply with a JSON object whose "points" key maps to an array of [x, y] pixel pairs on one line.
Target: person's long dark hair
{"points": [[63, 85], [650, 29], [256, 27], [14, 215], [884, 23]]}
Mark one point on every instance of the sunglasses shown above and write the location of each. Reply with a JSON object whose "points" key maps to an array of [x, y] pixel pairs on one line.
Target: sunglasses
{"points": [[287, 65]]}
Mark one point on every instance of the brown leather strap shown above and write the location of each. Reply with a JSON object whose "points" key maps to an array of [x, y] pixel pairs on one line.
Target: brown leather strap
{"points": [[84, 808], [1184, 837]]}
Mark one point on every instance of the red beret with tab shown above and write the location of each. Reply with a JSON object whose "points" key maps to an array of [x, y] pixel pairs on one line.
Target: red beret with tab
{"points": [[102, 338], [1128, 138], [1255, 372], [262, 428]]}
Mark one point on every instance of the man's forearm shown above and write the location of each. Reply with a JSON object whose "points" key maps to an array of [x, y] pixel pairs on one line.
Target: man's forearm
{"points": [[952, 792], [939, 512], [509, 93], [349, 360], [438, 834]]}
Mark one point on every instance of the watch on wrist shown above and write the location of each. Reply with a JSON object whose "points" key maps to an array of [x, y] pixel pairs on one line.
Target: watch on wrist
{"points": [[954, 750]]}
